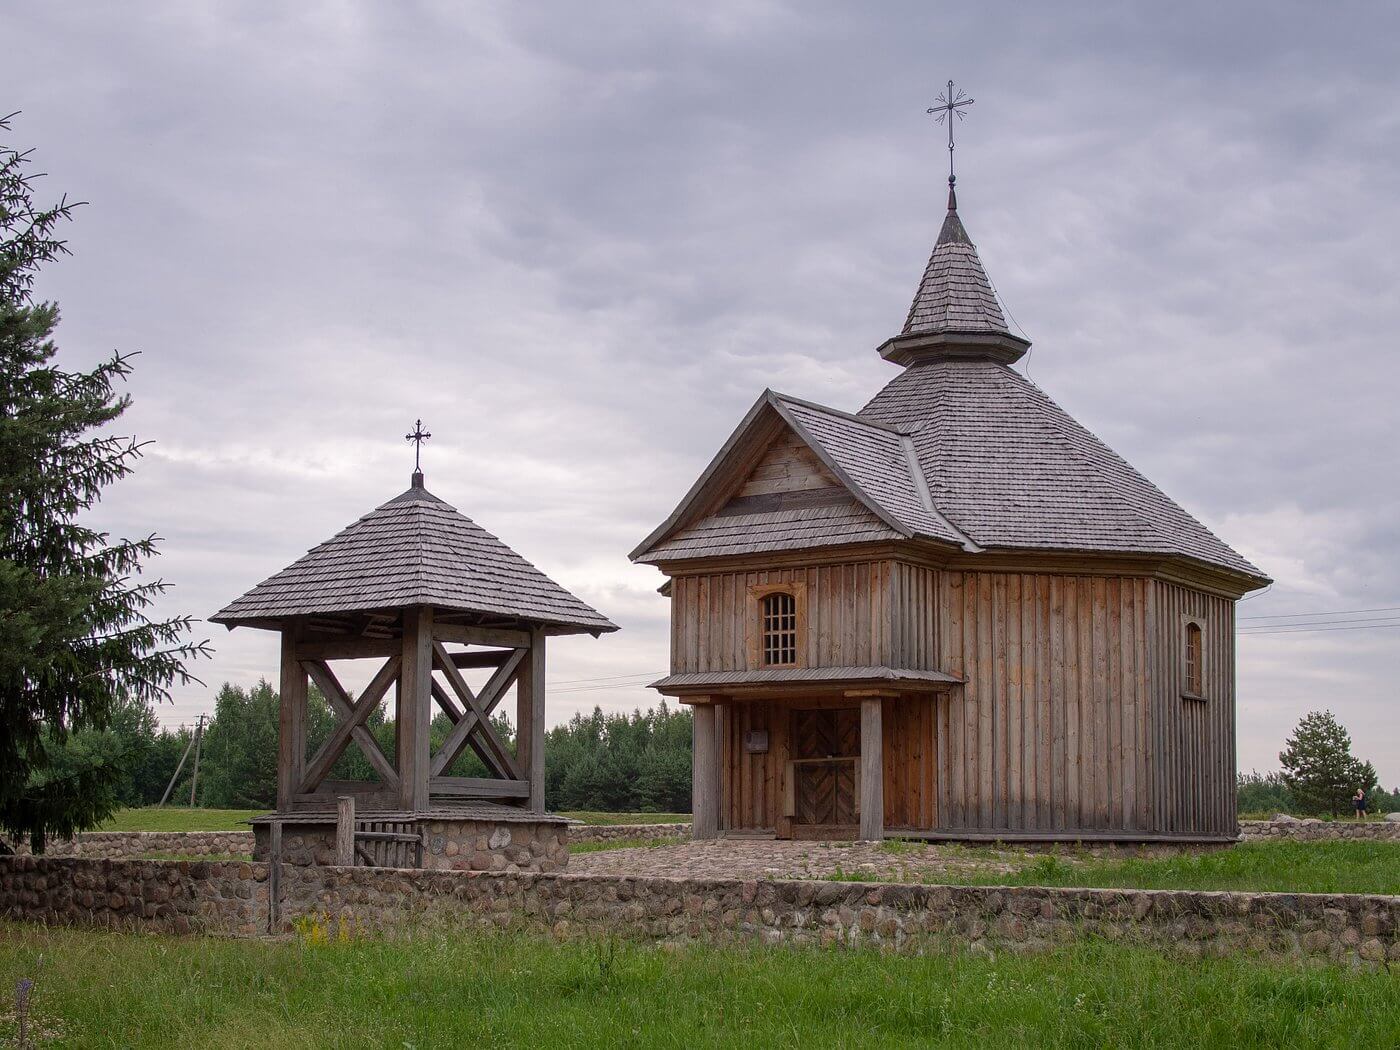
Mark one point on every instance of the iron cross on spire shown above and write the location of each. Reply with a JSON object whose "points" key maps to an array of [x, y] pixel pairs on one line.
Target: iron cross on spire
{"points": [[418, 436], [950, 102]]}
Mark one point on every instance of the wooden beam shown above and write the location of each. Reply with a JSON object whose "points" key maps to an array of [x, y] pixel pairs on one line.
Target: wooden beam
{"points": [[291, 735], [339, 700], [704, 775], [478, 787], [345, 831], [340, 737], [343, 648], [487, 658], [475, 724], [872, 770], [464, 635], [415, 708], [529, 719]]}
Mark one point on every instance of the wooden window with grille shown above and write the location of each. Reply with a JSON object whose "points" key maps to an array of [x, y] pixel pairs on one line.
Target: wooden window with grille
{"points": [[1195, 660], [778, 629]]}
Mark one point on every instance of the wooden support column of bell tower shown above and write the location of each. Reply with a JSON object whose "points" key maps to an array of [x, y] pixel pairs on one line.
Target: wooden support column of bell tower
{"points": [[414, 708]]}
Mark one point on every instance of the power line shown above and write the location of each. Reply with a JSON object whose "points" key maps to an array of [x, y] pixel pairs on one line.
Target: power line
{"points": [[1337, 612], [1313, 630], [1361, 621]]}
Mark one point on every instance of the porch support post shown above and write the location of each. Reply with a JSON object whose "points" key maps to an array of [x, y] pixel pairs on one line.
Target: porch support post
{"points": [[704, 775], [529, 720], [415, 701], [872, 770], [291, 729]]}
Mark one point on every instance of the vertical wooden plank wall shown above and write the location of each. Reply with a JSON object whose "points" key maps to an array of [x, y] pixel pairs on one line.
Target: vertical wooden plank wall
{"points": [[847, 616], [1194, 780], [1051, 730]]}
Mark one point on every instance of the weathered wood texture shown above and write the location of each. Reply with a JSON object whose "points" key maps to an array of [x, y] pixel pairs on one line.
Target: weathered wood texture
{"points": [[861, 613], [705, 777], [1071, 717], [1193, 740]]}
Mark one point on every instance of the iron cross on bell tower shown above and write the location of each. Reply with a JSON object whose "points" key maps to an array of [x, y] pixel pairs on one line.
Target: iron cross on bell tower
{"points": [[949, 103], [418, 436]]}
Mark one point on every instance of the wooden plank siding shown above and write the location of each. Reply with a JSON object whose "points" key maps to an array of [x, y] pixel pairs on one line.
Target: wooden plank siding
{"points": [[1051, 729], [1194, 777], [1070, 716]]}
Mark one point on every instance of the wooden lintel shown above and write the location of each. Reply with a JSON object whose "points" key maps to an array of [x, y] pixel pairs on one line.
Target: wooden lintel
{"points": [[348, 648], [464, 635], [478, 787], [482, 658], [861, 694]]}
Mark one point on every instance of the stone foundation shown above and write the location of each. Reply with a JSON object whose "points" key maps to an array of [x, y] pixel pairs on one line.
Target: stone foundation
{"points": [[612, 832], [1311, 830], [184, 896], [537, 843], [114, 845]]}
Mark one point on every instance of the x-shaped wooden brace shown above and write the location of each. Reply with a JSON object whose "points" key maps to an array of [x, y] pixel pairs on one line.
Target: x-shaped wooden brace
{"points": [[473, 725], [352, 722]]}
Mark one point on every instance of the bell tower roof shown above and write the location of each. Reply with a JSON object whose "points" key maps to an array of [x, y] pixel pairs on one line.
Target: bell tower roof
{"points": [[955, 313]]}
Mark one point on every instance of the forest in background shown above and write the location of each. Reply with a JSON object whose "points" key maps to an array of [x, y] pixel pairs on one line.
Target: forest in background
{"points": [[636, 762]]}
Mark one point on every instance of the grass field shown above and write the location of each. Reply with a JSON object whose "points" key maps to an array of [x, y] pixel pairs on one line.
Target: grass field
{"points": [[638, 843], [98, 989], [180, 818], [1290, 867]]}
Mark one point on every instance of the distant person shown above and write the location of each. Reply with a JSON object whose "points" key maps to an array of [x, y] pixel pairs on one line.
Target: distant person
{"points": [[1358, 803]]}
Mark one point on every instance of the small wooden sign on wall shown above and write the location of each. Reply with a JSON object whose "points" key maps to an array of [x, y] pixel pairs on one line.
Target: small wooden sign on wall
{"points": [[756, 741]]}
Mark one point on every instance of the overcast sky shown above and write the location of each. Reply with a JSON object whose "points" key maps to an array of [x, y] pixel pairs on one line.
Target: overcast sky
{"points": [[579, 239]]}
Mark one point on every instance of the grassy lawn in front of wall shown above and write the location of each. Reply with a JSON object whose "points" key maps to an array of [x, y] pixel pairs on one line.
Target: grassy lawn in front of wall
{"points": [[1283, 866], [102, 989], [180, 818]]}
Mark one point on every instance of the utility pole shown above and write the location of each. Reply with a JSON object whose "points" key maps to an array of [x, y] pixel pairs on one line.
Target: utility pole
{"points": [[194, 776], [179, 766]]}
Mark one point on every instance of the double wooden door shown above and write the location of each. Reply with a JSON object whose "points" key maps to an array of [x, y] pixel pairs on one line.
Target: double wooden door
{"points": [[825, 752]]}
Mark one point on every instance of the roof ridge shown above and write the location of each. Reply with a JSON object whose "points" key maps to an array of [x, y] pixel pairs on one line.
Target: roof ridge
{"points": [[852, 416], [916, 472]]}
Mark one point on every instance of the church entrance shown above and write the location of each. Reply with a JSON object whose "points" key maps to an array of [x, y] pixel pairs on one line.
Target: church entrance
{"points": [[825, 757]]}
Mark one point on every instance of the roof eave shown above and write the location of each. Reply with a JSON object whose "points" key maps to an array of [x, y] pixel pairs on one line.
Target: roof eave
{"points": [[914, 347]]}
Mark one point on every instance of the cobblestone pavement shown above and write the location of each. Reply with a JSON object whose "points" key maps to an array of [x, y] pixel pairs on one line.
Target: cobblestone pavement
{"points": [[783, 859]]}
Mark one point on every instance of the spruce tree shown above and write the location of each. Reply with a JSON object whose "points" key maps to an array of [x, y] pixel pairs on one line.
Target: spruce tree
{"points": [[76, 643], [1319, 769]]}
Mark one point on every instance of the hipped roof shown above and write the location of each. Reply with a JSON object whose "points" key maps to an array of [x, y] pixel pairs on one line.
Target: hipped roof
{"points": [[414, 550]]}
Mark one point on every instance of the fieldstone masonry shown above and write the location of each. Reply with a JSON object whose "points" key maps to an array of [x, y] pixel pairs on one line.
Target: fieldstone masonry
{"points": [[1319, 830], [613, 832], [184, 896], [450, 844], [113, 845]]}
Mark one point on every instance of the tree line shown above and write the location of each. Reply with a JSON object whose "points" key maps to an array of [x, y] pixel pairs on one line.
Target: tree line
{"points": [[637, 762]]}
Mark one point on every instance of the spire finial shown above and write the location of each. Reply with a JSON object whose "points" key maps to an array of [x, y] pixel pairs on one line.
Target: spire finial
{"points": [[950, 102], [418, 436]]}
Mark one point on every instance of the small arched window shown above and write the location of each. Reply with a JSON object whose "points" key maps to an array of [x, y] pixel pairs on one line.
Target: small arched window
{"points": [[1195, 676], [779, 629]]}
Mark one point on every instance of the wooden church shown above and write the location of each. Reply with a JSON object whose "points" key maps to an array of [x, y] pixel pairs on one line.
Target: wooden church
{"points": [[953, 614]]}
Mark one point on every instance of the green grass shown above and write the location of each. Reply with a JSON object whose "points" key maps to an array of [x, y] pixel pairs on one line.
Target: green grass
{"points": [[590, 817], [1285, 866], [98, 989], [630, 843], [180, 818]]}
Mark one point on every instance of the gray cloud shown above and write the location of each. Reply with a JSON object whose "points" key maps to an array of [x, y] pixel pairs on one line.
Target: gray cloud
{"points": [[578, 241]]}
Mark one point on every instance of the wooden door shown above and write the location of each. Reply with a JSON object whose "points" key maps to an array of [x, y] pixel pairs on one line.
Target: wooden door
{"points": [[825, 744]]}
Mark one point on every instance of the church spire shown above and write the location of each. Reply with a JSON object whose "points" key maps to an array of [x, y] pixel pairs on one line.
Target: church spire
{"points": [[955, 313]]}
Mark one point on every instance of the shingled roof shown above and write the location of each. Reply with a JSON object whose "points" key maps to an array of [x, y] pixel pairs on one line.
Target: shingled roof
{"points": [[414, 550], [958, 449]]}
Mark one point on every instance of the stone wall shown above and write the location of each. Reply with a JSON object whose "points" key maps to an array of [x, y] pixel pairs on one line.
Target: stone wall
{"points": [[1320, 830], [113, 845], [170, 896], [450, 844], [612, 832], [232, 897]]}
